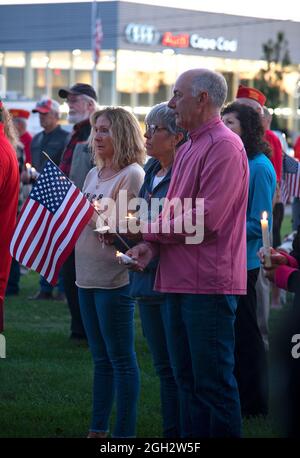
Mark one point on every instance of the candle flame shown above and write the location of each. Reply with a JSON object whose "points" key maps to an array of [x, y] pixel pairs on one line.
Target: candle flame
{"points": [[265, 215], [130, 216], [96, 205], [28, 165], [118, 254]]}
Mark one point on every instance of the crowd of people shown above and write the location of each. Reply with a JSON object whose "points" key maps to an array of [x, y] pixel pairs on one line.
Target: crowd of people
{"points": [[199, 302]]}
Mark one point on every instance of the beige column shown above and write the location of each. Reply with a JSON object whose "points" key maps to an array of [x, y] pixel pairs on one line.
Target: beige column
{"points": [[28, 76]]}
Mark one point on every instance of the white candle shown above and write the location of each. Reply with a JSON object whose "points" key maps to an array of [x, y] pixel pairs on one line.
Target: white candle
{"points": [[124, 259], [102, 229], [266, 238], [28, 167]]}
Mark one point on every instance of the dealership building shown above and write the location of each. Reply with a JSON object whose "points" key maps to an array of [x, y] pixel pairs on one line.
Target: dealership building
{"points": [[44, 47]]}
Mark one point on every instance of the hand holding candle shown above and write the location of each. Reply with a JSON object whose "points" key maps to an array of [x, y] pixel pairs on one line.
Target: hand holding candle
{"points": [[266, 238], [31, 171], [124, 259]]}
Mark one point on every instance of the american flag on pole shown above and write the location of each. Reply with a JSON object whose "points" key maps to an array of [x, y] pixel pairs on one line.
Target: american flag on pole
{"points": [[50, 223], [97, 35], [290, 184]]}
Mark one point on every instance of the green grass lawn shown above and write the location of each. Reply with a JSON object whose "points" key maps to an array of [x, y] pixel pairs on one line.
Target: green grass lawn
{"points": [[46, 380]]}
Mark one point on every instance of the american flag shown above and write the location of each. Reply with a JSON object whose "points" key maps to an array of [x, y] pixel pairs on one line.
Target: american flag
{"points": [[98, 33], [50, 223], [290, 184]]}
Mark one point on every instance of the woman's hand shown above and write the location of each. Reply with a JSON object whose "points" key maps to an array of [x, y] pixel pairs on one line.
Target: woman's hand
{"points": [[277, 259], [142, 254], [25, 178]]}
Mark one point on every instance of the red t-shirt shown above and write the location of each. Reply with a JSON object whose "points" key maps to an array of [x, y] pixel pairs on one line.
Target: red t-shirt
{"points": [[26, 139], [276, 158], [9, 194], [297, 149]]}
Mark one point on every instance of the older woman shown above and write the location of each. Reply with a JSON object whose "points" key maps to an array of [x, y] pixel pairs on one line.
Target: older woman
{"points": [[163, 137], [106, 307], [251, 362]]}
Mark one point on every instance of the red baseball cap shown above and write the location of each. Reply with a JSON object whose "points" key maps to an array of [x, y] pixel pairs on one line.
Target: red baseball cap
{"points": [[251, 93], [45, 106], [19, 113]]}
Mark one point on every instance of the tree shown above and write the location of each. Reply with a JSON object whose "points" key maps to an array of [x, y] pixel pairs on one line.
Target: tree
{"points": [[269, 80]]}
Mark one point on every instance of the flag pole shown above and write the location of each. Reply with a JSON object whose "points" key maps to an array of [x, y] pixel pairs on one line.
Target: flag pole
{"points": [[93, 32], [116, 233]]}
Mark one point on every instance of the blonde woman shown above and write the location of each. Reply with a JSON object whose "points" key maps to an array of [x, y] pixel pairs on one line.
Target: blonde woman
{"points": [[106, 307]]}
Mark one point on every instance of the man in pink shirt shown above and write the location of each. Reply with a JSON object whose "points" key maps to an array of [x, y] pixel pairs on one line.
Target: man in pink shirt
{"points": [[202, 280]]}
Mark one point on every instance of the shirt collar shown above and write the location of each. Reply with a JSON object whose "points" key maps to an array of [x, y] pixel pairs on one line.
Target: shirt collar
{"points": [[81, 124], [204, 127]]}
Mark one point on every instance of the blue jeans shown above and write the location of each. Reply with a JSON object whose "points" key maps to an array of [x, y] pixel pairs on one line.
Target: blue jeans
{"points": [[200, 334], [107, 316], [153, 325], [296, 213]]}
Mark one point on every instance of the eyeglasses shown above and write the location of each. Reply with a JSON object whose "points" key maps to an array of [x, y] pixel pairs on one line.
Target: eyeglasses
{"points": [[152, 128]]}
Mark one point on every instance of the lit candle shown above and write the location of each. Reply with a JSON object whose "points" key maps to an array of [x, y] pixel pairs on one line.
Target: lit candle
{"points": [[130, 217], [96, 205], [124, 259], [28, 167], [124, 223], [266, 238], [31, 171]]}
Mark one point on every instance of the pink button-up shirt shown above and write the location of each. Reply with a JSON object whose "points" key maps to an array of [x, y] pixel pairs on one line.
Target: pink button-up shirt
{"points": [[212, 165]]}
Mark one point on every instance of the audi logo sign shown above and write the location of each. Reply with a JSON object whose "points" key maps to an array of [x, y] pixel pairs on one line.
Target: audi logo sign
{"points": [[142, 34]]}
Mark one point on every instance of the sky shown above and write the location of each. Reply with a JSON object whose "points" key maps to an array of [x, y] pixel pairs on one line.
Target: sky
{"points": [[277, 9]]}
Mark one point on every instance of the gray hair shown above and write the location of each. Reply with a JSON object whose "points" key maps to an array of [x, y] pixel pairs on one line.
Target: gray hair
{"points": [[164, 116], [90, 99], [212, 82]]}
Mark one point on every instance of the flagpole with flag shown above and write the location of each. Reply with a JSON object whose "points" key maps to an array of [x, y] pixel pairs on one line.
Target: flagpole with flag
{"points": [[50, 222], [96, 37]]}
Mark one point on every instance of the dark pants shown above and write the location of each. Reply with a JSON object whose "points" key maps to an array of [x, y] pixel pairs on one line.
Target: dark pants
{"points": [[200, 336], [14, 278], [278, 214], [251, 369], [296, 213], [153, 318], [71, 292], [47, 288]]}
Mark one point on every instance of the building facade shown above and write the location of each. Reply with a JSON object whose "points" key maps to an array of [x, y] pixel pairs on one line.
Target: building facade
{"points": [[44, 47]]}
